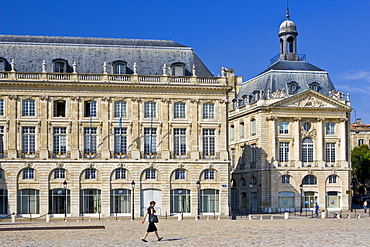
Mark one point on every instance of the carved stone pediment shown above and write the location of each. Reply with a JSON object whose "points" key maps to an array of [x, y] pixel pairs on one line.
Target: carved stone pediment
{"points": [[311, 101]]}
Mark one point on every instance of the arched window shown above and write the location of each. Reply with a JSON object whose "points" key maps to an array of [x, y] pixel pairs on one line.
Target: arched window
{"points": [[307, 150], [309, 180], [290, 44], [314, 86], [119, 67]]}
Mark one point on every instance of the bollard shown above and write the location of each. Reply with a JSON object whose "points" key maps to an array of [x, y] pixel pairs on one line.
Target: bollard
{"points": [[359, 216], [250, 217], [261, 217], [233, 216], [323, 214], [349, 216], [286, 215], [48, 218], [272, 217], [14, 218], [207, 217], [218, 217], [196, 217], [179, 217]]}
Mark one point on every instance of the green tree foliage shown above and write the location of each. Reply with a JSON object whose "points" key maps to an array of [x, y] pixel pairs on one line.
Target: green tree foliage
{"points": [[360, 157]]}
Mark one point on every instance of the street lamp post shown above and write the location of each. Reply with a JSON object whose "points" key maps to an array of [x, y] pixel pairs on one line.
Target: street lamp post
{"points": [[250, 197], [301, 187], [65, 198], [133, 201], [198, 188]]}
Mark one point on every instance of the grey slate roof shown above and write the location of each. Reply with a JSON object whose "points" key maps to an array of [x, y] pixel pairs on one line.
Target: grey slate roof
{"points": [[91, 53], [278, 75]]}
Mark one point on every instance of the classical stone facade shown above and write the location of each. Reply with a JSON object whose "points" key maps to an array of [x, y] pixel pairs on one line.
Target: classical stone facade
{"points": [[360, 133], [83, 120], [289, 137]]}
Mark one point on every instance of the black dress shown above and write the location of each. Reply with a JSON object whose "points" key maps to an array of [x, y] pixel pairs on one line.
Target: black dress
{"points": [[151, 226]]}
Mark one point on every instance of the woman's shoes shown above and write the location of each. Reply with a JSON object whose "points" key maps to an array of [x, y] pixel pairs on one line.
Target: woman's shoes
{"points": [[144, 240], [159, 239]]}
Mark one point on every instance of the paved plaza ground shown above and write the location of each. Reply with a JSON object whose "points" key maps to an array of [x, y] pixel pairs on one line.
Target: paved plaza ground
{"points": [[212, 232]]}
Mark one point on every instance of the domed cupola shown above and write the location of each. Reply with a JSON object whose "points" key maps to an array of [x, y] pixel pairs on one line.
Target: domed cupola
{"points": [[288, 39]]}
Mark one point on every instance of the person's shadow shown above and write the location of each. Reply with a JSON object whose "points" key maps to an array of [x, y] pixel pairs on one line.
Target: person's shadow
{"points": [[172, 239]]}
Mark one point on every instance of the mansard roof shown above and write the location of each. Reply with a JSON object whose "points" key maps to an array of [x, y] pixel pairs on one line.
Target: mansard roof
{"points": [[90, 54]]}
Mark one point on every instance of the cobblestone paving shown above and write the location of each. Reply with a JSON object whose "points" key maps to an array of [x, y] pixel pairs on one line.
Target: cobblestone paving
{"points": [[224, 232]]}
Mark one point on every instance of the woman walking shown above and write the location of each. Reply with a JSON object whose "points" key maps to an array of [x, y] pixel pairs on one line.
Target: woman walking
{"points": [[151, 227]]}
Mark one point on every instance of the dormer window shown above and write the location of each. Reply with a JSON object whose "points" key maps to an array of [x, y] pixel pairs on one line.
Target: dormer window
{"points": [[119, 67], [59, 66], [314, 86], [292, 87], [178, 69]]}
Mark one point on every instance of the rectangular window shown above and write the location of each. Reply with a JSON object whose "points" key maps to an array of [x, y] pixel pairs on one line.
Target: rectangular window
{"points": [[330, 152], [90, 109], [150, 141], [60, 141], [59, 108], [90, 135], [90, 173], [120, 173], [232, 133], [253, 127], [59, 173], [285, 179], [179, 110], [209, 138], [209, 174], [1, 174], [28, 140], [120, 141], [59, 67], [180, 174], [332, 179], [208, 111], [120, 109], [253, 156], [179, 141], [28, 108], [242, 131], [150, 110], [330, 128], [1, 141], [360, 142], [1, 107], [150, 173], [283, 127], [283, 153], [28, 173]]}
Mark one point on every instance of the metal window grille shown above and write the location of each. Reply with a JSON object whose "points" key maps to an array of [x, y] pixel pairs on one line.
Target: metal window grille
{"points": [[209, 142], [179, 110], [120, 108], [208, 111], [180, 141], [28, 108], [28, 140]]}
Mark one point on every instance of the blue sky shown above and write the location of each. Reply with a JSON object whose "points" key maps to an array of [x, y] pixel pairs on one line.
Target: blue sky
{"points": [[240, 34]]}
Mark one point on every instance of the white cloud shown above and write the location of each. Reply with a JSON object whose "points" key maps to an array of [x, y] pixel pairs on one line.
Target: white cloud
{"points": [[357, 75], [353, 89]]}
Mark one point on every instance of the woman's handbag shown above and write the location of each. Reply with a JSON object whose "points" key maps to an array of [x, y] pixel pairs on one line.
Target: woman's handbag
{"points": [[154, 218]]}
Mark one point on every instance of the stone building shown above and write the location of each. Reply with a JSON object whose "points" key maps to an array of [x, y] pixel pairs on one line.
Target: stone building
{"points": [[100, 127], [289, 136], [360, 133]]}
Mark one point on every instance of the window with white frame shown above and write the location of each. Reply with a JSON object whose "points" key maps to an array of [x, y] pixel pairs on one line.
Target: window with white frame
{"points": [[330, 128], [28, 173], [90, 136], [179, 141], [332, 179], [60, 66], [1, 107], [90, 109], [208, 111], [119, 68], [120, 109], [180, 174], [360, 142], [179, 110], [209, 174], [284, 152], [1, 141], [150, 141], [120, 141], [120, 173], [59, 173], [232, 133], [28, 107], [59, 108], [28, 140], [209, 142], [330, 152], [178, 69], [150, 110], [283, 127], [90, 173], [253, 127], [242, 131], [59, 140], [309, 179], [307, 150], [285, 179], [150, 174]]}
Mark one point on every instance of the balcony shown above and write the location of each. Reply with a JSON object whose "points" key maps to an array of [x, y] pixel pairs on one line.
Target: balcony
{"points": [[210, 156], [90, 155], [120, 155], [110, 78], [153, 155], [27, 155], [60, 155]]}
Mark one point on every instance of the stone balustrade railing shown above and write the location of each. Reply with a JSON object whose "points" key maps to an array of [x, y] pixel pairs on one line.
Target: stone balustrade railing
{"points": [[110, 78]]}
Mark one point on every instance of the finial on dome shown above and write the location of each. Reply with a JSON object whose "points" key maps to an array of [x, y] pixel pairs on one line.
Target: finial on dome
{"points": [[287, 10]]}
